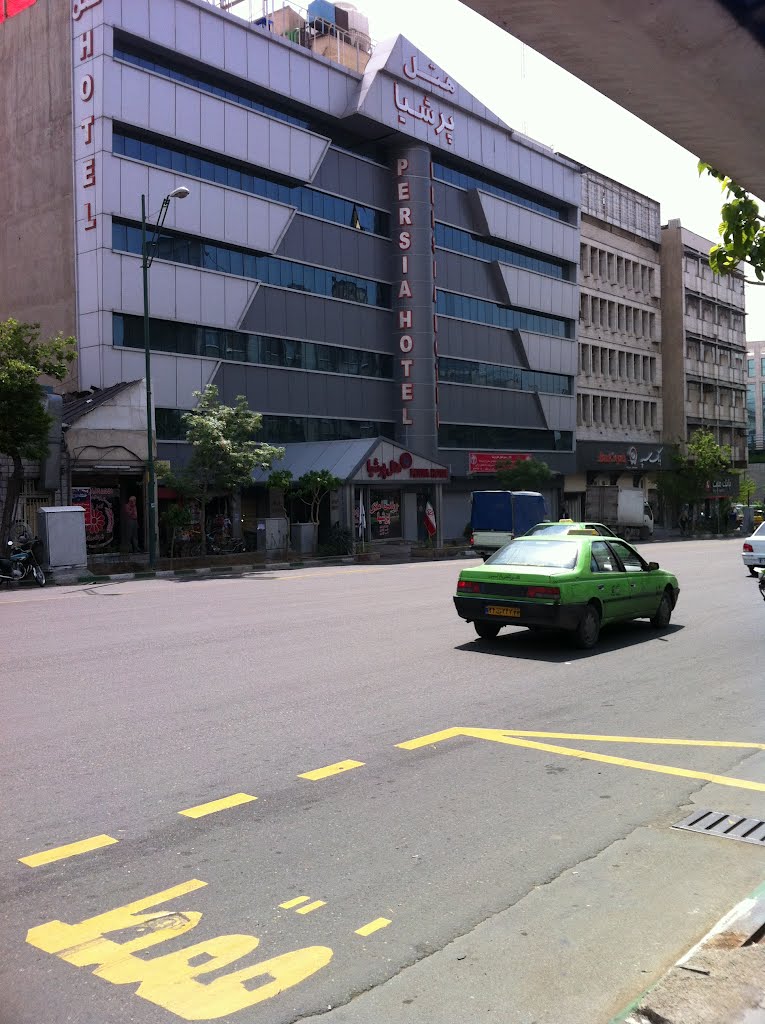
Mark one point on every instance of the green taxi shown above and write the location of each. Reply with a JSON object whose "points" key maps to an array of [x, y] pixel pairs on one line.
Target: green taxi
{"points": [[576, 582]]}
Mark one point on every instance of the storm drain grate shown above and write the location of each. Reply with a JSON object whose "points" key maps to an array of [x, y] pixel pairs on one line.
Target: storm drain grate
{"points": [[728, 826]]}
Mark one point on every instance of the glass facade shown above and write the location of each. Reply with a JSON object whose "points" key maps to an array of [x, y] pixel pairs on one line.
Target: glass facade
{"points": [[465, 307], [462, 179], [463, 435], [285, 429], [197, 164], [492, 375], [750, 367], [193, 340], [197, 252], [188, 72], [463, 242]]}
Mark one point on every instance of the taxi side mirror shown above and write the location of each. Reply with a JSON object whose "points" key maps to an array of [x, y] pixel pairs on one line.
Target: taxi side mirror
{"points": [[652, 566]]}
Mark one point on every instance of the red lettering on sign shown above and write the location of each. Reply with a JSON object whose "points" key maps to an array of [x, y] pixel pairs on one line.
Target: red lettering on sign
{"points": [[89, 173], [87, 88], [87, 127], [90, 220], [86, 45]]}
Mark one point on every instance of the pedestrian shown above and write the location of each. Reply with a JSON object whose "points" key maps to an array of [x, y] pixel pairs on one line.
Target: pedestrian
{"points": [[683, 521], [131, 524]]}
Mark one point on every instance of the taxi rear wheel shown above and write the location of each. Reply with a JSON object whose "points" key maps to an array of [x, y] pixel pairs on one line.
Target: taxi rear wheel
{"points": [[587, 632], [487, 630]]}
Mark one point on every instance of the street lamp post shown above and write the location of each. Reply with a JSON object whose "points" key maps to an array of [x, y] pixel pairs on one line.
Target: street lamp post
{"points": [[148, 252]]}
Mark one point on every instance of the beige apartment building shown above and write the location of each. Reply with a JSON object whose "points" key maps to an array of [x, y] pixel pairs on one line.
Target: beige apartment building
{"points": [[755, 396], [704, 344], [619, 379]]}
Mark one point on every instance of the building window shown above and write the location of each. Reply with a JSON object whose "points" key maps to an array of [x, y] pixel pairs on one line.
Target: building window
{"points": [[491, 375], [463, 435], [199, 252], [750, 367], [463, 242], [285, 429], [198, 164], [462, 179], [245, 94], [465, 307], [194, 340]]}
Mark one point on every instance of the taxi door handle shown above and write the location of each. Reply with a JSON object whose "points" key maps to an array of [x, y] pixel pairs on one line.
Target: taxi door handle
{"points": [[601, 587]]}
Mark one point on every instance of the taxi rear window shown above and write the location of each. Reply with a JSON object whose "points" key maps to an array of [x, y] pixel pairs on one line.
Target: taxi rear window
{"points": [[549, 554]]}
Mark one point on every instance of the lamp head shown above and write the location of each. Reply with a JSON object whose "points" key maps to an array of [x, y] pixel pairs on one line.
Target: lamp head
{"points": [[179, 193]]}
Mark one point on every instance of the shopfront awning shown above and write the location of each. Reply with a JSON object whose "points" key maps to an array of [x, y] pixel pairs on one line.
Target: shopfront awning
{"points": [[361, 461]]}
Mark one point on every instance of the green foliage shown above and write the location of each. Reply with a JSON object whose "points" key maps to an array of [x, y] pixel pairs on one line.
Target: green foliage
{"points": [[312, 487], [177, 519], [527, 475], [702, 461], [742, 229], [340, 542], [24, 424], [747, 489], [223, 452]]}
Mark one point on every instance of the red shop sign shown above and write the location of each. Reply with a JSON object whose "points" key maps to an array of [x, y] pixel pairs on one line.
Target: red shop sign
{"points": [[486, 462]]}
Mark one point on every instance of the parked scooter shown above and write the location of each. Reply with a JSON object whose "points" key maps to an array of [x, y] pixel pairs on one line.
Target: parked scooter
{"points": [[22, 561]]}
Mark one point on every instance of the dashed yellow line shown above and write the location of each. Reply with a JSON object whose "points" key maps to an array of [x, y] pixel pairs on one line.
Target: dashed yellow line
{"points": [[294, 903], [35, 860], [217, 805], [331, 769], [373, 926], [311, 907]]}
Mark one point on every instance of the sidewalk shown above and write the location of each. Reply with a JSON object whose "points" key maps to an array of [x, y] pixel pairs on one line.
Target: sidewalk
{"points": [[721, 980]]}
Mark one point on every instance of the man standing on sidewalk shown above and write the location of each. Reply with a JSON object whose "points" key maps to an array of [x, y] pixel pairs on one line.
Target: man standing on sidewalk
{"points": [[131, 524]]}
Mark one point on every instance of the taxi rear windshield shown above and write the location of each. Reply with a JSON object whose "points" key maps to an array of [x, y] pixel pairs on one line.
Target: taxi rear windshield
{"points": [[548, 554]]}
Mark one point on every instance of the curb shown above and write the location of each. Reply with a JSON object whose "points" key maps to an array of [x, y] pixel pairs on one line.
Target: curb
{"points": [[707, 964]]}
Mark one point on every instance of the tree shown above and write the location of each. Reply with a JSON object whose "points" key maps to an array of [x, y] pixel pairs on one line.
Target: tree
{"points": [[524, 475], [24, 423], [703, 461], [223, 452], [747, 489], [313, 487], [742, 229]]}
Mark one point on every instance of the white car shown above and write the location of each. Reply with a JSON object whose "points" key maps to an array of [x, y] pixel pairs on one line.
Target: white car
{"points": [[754, 550]]}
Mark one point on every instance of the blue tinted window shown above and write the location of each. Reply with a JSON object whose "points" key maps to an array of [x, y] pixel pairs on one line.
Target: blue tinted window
{"points": [[492, 375], [463, 435], [317, 204], [465, 307], [284, 429], [178, 248], [191, 339], [461, 241], [464, 180]]}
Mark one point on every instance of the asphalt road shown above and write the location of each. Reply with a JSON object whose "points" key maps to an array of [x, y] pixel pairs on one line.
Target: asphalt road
{"points": [[463, 879]]}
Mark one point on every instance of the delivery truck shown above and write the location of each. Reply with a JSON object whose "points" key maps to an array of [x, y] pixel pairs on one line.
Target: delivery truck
{"points": [[623, 509], [498, 516]]}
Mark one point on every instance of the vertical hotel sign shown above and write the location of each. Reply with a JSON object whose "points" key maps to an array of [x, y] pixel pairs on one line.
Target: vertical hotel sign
{"points": [[85, 91]]}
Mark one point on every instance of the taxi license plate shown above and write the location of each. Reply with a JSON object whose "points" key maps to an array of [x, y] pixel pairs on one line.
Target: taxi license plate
{"points": [[503, 611]]}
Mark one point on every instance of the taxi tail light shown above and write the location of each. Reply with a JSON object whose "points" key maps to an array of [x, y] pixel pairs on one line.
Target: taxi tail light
{"points": [[748, 547], [472, 540], [543, 592], [468, 587]]}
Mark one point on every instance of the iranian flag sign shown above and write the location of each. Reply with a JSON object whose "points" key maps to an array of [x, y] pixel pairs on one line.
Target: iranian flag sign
{"points": [[429, 519]]}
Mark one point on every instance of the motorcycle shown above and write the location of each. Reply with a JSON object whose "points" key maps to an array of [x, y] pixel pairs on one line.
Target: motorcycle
{"points": [[22, 561], [761, 587]]}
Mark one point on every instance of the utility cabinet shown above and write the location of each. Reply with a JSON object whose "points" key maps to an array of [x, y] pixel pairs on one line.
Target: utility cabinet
{"points": [[62, 532]]}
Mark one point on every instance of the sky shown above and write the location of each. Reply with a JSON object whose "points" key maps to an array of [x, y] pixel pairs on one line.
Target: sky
{"points": [[536, 97]]}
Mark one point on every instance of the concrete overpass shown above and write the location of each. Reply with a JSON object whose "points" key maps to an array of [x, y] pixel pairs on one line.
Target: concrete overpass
{"points": [[693, 69]]}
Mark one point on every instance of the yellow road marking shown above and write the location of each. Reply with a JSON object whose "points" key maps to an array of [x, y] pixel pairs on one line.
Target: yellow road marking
{"points": [[508, 737], [632, 739], [373, 926], [331, 769], [217, 805], [294, 903], [289, 577], [311, 906], [34, 860]]}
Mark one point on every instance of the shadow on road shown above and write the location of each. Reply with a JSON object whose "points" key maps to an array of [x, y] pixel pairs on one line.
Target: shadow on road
{"points": [[255, 577], [542, 645]]}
